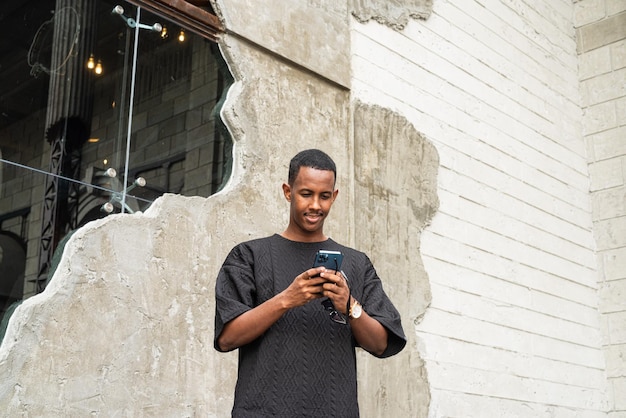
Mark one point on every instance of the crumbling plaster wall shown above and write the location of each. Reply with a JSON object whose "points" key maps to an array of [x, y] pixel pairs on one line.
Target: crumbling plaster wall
{"points": [[394, 198], [393, 13], [126, 325]]}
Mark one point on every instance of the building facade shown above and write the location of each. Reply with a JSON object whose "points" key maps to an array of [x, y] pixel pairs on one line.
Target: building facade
{"points": [[480, 150]]}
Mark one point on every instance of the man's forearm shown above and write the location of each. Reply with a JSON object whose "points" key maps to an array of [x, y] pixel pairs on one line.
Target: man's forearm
{"points": [[250, 325], [369, 334]]}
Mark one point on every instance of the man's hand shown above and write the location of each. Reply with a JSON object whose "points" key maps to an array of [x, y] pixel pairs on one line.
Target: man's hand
{"points": [[367, 331], [304, 288], [336, 289]]}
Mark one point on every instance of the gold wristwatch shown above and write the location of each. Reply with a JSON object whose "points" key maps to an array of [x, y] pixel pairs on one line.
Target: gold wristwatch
{"points": [[355, 310]]}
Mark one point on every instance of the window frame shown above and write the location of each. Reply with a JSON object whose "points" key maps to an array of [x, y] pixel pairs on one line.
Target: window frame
{"points": [[194, 18]]}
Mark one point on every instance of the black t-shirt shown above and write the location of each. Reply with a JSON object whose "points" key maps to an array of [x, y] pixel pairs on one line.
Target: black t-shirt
{"points": [[305, 364]]}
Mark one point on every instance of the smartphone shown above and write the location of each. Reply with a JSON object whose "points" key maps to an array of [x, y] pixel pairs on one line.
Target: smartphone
{"points": [[329, 259], [332, 261]]}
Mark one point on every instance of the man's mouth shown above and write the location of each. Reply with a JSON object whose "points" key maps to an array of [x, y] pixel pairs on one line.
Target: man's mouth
{"points": [[313, 217]]}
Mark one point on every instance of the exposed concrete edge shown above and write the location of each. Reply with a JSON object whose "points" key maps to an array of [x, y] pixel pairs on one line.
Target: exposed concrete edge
{"points": [[287, 60], [79, 272], [25, 315], [273, 32], [396, 166], [392, 13]]}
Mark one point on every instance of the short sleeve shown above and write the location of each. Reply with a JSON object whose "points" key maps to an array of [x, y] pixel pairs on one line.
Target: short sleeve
{"points": [[378, 305], [235, 288]]}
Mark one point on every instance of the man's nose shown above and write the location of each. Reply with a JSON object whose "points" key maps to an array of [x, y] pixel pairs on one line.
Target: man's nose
{"points": [[315, 202]]}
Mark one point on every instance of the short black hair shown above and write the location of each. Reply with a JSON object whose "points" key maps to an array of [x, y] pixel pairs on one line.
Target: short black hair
{"points": [[312, 158]]}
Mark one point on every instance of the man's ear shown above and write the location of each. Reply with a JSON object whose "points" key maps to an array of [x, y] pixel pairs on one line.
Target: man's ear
{"points": [[335, 193], [287, 192]]}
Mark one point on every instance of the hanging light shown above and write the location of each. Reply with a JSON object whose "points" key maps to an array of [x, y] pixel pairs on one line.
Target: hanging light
{"points": [[181, 36], [98, 68], [164, 33], [91, 63]]}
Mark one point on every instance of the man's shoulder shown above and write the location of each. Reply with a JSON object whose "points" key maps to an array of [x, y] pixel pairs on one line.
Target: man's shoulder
{"points": [[349, 250], [256, 244], [247, 251]]}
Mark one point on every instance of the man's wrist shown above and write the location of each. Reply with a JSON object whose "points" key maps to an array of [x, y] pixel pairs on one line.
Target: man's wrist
{"points": [[356, 310], [283, 302]]}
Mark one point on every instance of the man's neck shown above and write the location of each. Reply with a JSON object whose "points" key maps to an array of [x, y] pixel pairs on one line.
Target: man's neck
{"points": [[299, 237]]}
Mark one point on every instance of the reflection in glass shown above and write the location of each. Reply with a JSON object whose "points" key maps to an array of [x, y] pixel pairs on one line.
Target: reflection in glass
{"points": [[74, 147]]}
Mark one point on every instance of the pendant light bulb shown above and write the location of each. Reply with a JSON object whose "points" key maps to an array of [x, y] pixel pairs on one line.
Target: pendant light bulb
{"points": [[91, 63]]}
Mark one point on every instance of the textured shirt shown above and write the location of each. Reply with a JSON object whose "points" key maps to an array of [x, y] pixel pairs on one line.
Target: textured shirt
{"points": [[304, 365]]}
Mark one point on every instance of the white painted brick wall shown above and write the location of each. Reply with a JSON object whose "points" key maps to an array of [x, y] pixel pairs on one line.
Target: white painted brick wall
{"points": [[513, 329]]}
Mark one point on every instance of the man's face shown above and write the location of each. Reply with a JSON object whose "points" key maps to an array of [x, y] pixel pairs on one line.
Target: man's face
{"points": [[311, 195]]}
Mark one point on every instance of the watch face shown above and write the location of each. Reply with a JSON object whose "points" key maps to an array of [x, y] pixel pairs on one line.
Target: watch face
{"points": [[356, 311]]}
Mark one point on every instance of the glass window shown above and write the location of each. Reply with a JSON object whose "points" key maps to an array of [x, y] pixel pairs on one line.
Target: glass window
{"points": [[104, 107]]}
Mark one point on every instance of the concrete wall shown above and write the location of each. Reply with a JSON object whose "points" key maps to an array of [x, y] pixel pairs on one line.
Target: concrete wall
{"points": [[126, 325], [394, 198], [312, 33], [601, 36]]}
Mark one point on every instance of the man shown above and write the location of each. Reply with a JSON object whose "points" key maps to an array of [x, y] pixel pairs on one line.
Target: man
{"points": [[295, 360]]}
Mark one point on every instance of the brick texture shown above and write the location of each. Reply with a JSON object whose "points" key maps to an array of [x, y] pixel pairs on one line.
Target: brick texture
{"points": [[514, 327], [603, 87]]}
